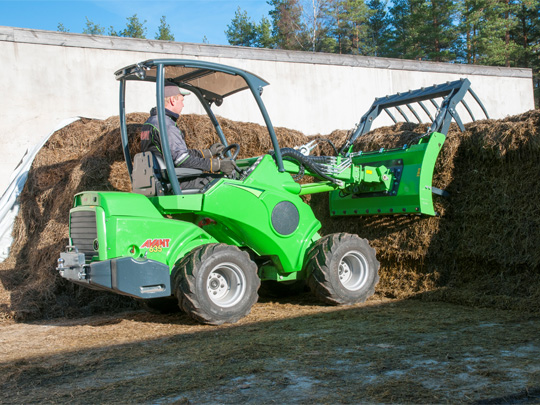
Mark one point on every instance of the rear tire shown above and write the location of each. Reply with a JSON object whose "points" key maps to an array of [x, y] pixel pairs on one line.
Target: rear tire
{"points": [[217, 284], [344, 269]]}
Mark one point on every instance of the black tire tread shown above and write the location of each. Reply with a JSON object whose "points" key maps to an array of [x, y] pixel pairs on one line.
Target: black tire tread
{"points": [[185, 279], [319, 259]]}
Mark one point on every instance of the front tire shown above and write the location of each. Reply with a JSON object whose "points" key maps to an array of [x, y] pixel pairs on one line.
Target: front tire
{"points": [[218, 284], [344, 269]]}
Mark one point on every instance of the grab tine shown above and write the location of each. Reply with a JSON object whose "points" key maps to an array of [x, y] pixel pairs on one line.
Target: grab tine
{"points": [[479, 102], [414, 113], [468, 109], [402, 113], [391, 115], [426, 110]]}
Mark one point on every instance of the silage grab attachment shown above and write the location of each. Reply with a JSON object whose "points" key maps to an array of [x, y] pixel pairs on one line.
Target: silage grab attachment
{"points": [[399, 181]]}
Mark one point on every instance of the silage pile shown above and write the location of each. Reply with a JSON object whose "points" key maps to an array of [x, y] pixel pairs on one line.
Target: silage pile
{"points": [[481, 250]]}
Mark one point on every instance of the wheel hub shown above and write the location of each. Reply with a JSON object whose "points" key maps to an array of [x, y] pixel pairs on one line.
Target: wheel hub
{"points": [[226, 285], [353, 271], [214, 284], [344, 273]]}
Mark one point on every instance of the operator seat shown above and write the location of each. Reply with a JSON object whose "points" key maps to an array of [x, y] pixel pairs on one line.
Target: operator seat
{"points": [[150, 178]]}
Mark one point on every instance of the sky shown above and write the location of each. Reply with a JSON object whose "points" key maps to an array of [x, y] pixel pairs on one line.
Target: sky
{"points": [[190, 20]]}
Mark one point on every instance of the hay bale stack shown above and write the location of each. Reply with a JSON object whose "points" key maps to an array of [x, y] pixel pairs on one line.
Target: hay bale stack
{"points": [[492, 226], [85, 155], [480, 250]]}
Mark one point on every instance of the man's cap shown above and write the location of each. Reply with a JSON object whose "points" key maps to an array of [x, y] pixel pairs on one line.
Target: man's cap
{"points": [[172, 89]]}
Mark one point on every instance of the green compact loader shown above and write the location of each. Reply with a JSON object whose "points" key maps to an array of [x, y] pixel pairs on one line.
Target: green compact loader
{"points": [[207, 250]]}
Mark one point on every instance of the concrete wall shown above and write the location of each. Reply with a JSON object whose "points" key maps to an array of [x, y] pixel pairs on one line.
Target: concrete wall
{"points": [[50, 76]]}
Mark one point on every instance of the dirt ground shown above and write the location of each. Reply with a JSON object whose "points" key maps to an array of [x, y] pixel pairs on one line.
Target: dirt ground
{"points": [[292, 350]]}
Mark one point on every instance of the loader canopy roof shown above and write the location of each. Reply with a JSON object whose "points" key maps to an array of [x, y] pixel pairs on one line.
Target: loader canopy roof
{"points": [[213, 80]]}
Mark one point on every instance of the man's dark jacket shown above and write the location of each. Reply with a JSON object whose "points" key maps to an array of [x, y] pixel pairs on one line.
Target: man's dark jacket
{"points": [[181, 155]]}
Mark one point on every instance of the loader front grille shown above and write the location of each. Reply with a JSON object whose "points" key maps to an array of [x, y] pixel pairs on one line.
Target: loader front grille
{"points": [[83, 232]]}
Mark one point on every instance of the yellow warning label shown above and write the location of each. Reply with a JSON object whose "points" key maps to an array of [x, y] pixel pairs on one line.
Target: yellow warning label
{"points": [[369, 172], [418, 173]]}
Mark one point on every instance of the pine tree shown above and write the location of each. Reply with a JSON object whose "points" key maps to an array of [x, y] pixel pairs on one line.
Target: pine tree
{"points": [[509, 10], [338, 28], [134, 28], [112, 32], [487, 25], [357, 21], [438, 32], [403, 33], [61, 28], [377, 37], [288, 29], [526, 35], [263, 34], [349, 26], [241, 30], [164, 31], [93, 29]]}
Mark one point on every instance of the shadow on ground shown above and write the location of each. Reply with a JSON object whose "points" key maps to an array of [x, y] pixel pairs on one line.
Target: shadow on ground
{"points": [[382, 351]]}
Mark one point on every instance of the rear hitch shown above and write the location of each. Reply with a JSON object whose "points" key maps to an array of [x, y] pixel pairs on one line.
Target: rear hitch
{"points": [[72, 263]]}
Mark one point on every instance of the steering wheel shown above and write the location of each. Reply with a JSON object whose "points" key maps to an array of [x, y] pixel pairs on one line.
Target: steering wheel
{"points": [[228, 148]]}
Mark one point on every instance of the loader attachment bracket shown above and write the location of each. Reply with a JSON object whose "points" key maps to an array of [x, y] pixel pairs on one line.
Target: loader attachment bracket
{"points": [[365, 190], [411, 171]]}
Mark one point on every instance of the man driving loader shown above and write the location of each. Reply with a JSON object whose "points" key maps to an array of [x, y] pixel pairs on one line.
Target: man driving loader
{"points": [[205, 160]]}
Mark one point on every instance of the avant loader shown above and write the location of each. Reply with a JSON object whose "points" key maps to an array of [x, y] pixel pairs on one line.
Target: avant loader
{"points": [[207, 250]]}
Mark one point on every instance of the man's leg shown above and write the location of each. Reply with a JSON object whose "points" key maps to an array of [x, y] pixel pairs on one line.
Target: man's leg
{"points": [[199, 182]]}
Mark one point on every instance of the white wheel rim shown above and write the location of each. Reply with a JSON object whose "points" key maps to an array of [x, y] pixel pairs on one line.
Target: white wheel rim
{"points": [[353, 271], [226, 285]]}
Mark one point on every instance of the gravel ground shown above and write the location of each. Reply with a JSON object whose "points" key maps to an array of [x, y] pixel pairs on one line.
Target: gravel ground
{"points": [[287, 351]]}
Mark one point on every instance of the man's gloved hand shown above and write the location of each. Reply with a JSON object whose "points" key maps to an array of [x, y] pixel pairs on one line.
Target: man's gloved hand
{"points": [[216, 149], [226, 166], [222, 165]]}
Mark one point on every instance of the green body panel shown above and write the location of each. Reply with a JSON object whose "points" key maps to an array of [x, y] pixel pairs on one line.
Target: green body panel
{"points": [[117, 203], [232, 211], [241, 215], [174, 204], [129, 224], [407, 188]]}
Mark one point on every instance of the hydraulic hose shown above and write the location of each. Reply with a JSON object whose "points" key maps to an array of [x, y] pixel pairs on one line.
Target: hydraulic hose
{"points": [[307, 162], [318, 159], [330, 143]]}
